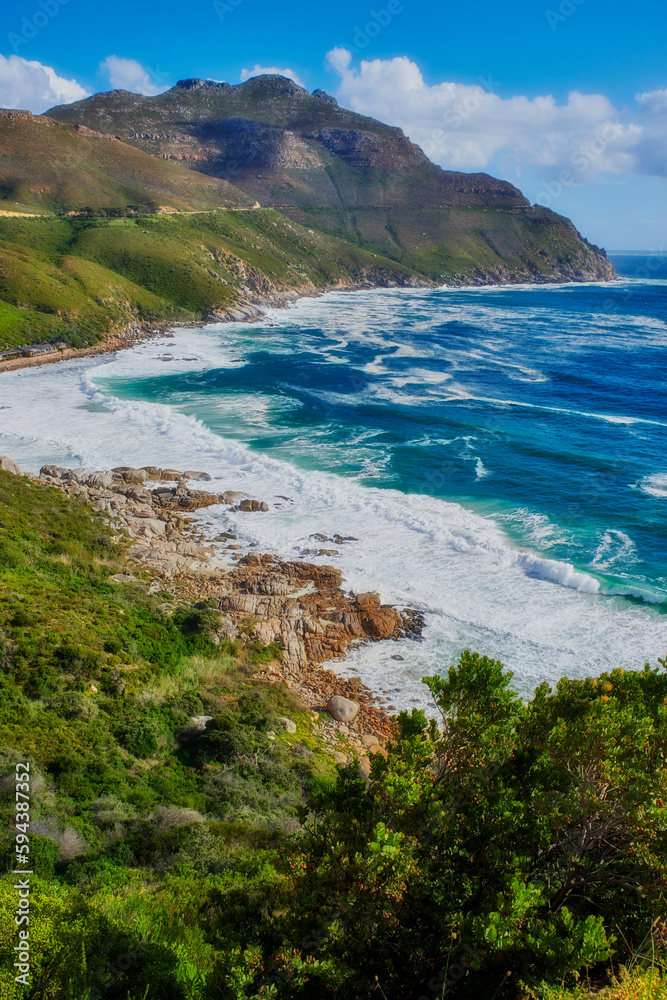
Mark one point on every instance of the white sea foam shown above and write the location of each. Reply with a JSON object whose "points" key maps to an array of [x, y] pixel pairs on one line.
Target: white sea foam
{"points": [[615, 548], [655, 486], [610, 418], [542, 617]]}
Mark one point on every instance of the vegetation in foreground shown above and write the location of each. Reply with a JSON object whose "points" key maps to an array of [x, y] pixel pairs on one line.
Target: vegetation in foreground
{"points": [[514, 850]]}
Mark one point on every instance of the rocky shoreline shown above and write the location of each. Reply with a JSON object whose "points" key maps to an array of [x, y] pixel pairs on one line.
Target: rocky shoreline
{"points": [[299, 606], [251, 308], [244, 311]]}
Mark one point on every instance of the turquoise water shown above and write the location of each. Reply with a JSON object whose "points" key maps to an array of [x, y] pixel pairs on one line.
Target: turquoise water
{"points": [[499, 455], [545, 408]]}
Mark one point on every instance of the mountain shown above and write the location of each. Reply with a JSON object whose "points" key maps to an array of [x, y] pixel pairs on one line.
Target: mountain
{"points": [[49, 165], [285, 147], [211, 197], [348, 175]]}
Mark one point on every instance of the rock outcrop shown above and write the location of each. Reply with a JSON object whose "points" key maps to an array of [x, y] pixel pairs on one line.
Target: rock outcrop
{"points": [[298, 605], [9, 466]]}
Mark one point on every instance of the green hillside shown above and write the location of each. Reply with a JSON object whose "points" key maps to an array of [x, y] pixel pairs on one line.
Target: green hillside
{"points": [[64, 168], [466, 243], [79, 279]]}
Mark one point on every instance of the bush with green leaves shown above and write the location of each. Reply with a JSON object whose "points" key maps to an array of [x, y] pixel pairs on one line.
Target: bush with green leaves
{"points": [[519, 842]]}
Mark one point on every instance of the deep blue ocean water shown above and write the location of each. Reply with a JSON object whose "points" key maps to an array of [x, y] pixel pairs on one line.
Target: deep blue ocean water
{"points": [[500, 454]]}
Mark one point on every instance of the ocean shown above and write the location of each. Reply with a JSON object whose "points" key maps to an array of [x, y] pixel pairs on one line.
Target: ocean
{"points": [[496, 457]]}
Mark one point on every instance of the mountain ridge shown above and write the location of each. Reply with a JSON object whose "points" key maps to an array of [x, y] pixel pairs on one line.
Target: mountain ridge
{"points": [[349, 175], [307, 145], [271, 191]]}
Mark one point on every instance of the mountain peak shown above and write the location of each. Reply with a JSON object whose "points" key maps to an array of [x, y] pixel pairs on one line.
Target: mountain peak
{"points": [[323, 96], [195, 83], [274, 82]]}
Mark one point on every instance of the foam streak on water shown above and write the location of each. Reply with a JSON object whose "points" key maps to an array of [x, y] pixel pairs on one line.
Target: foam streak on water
{"points": [[457, 435]]}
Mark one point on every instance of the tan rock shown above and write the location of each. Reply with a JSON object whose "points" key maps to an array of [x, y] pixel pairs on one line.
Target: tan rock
{"points": [[135, 476], [7, 465], [197, 476], [233, 496], [343, 709]]}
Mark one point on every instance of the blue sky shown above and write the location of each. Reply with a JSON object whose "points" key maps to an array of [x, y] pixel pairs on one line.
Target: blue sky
{"points": [[568, 99]]}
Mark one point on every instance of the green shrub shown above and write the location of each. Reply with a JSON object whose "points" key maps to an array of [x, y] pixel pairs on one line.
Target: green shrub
{"points": [[73, 705], [138, 737]]}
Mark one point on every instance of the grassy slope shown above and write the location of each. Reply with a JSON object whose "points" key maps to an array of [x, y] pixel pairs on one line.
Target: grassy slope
{"points": [[77, 279], [447, 242], [54, 166], [126, 828]]}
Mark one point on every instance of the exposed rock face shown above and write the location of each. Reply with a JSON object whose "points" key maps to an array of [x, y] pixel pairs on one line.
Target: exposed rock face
{"points": [[278, 143], [196, 84], [302, 606], [323, 96], [299, 605], [304, 154]]}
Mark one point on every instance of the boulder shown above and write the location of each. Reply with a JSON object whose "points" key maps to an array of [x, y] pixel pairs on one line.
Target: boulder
{"points": [[369, 740], [170, 475], [365, 769], [53, 471], [138, 494], [202, 477], [367, 601], [9, 466], [152, 472], [378, 620], [343, 709], [233, 496], [135, 477], [246, 505], [79, 475], [287, 724], [339, 757], [101, 480]]}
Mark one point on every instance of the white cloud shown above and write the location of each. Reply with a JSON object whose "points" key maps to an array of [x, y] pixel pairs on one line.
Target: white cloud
{"points": [[258, 70], [339, 60], [35, 87], [128, 74], [653, 101], [469, 127]]}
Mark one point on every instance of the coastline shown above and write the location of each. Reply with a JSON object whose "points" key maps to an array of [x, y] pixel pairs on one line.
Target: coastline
{"points": [[373, 663], [249, 309], [298, 606], [244, 311]]}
